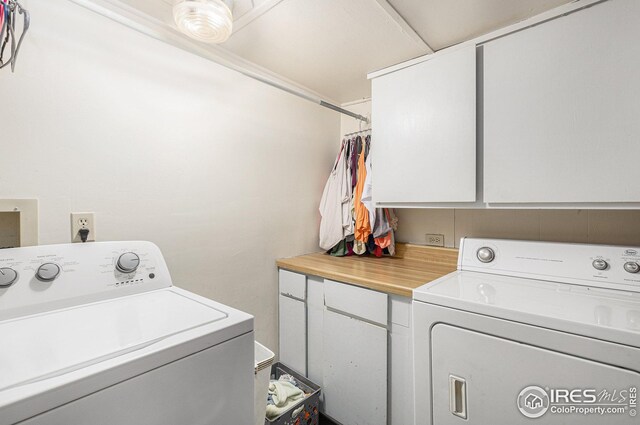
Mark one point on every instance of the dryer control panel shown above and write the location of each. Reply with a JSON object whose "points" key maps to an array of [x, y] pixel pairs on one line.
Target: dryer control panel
{"points": [[605, 266], [42, 278]]}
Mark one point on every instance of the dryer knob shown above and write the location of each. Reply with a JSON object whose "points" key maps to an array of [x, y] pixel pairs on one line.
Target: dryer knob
{"points": [[600, 264], [128, 262], [485, 254], [48, 272], [7, 277], [632, 267]]}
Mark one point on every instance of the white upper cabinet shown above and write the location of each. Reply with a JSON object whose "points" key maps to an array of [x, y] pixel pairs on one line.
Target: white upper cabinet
{"points": [[424, 131], [561, 111]]}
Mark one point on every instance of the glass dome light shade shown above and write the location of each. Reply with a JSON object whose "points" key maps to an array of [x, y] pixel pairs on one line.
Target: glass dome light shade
{"points": [[209, 21]]}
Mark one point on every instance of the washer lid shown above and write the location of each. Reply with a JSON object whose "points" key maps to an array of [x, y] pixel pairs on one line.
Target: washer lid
{"points": [[50, 344], [607, 314]]}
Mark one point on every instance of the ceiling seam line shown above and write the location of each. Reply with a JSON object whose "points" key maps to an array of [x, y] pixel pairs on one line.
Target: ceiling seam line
{"points": [[403, 24]]}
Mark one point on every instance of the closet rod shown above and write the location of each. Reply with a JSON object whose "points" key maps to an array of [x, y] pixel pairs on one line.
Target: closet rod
{"points": [[344, 111], [357, 132], [138, 21]]}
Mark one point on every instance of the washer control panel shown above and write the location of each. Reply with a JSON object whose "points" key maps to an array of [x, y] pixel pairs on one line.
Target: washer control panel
{"points": [[52, 276], [606, 266]]}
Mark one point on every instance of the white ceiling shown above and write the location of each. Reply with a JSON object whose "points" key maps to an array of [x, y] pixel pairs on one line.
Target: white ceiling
{"points": [[330, 45], [326, 45], [442, 23]]}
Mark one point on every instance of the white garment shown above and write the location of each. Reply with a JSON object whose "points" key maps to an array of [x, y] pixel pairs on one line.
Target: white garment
{"points": [[367, 192], [336, 222], [284, 395], [283, 392]]}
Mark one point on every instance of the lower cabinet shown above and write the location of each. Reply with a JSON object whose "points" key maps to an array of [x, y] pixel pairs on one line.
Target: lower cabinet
{"points": [[293, 331], [354, 370], [357, 347], [355, 354], [292, 320]]}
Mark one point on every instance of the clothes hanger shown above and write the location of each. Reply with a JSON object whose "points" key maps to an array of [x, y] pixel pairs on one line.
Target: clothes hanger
{"points": [[360, 130], [26, 22], [4, 27], [11, 9]]}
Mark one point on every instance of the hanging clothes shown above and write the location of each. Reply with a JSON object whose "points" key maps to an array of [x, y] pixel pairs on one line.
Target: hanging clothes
{"points": [[384, 239], [336, 222], [354, 162], [350, 223], [393, 222], [367, 191], [381, 225], [363, 225]]}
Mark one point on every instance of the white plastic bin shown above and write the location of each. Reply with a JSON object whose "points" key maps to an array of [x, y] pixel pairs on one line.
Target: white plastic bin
{"points": [[263, 360]]}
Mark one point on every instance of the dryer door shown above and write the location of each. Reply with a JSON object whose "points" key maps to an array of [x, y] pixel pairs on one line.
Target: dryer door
{"points": [[479, 379]]}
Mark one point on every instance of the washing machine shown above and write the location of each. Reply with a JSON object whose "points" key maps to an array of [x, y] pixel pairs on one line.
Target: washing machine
{"points": [[97, 334], [529, 333]]}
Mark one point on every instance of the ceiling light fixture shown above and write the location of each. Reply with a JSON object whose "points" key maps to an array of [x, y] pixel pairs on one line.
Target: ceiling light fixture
{"points": [[209, 21]]}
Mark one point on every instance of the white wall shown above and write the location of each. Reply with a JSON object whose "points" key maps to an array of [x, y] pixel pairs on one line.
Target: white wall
{"points": [[222, 172], [349, 124], [580, 226]]}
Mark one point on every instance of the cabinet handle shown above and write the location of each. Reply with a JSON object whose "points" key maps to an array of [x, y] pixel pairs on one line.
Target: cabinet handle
{"points": [[458, 396]]}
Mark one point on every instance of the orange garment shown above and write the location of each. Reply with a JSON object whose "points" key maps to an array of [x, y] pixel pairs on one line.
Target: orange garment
{"points": [[363, 225], [384, 241]]}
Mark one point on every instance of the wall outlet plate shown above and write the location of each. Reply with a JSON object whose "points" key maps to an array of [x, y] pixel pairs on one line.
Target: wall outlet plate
{"points": [[84, 220], [435, 239]]}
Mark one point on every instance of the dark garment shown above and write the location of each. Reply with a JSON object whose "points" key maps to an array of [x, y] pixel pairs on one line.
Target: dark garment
{"points": [[354, 162], [371, 244], [340, 250]]}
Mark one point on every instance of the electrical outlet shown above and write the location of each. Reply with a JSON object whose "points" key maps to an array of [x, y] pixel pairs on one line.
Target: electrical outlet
{"points": [[435, 239], [84, 220]]}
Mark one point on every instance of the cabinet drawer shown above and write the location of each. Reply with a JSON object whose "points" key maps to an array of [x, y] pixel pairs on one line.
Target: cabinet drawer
{"points": [[359, 302], [293, 284]]}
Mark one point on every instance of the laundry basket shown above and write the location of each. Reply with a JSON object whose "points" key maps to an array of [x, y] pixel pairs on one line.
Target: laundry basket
{"points": [[263, 360], [303, 412]]}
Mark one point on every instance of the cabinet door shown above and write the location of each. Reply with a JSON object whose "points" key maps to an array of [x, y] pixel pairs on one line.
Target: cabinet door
{"points": [[355, 370], [496, 370], [315, 313], [424, 131], [561, 109], [293, 333]]}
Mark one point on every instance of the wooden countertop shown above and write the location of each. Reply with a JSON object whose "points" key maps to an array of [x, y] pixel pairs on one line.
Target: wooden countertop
{"points": [[413, 266]]}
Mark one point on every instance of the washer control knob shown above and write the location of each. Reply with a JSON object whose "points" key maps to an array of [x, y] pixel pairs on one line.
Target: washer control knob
{"points": [[48, 272], [7, 277], [632, 267], [600, 264], [485, 254], [128, 262]]}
